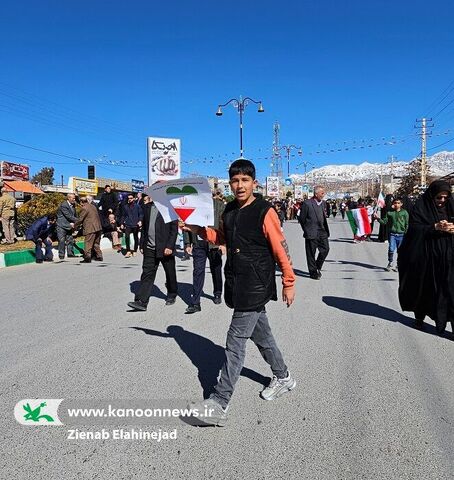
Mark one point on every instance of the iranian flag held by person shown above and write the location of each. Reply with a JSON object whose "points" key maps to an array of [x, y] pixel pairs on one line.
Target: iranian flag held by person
{"points": [[359, 222]]}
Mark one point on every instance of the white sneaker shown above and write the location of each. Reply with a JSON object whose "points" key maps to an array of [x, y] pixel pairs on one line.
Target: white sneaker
{"points": [[209, 412], [277, 387]]}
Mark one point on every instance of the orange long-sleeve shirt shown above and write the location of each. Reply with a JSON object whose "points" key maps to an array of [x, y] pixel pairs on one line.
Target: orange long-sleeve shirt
{"points": [[276, 240]]}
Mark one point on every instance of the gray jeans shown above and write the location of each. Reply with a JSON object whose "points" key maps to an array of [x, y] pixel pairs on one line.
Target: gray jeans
{"points": [[253, 325], [65, 242]]}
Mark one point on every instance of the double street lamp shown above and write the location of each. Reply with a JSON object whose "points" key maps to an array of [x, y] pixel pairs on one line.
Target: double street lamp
{"points": [[240, 104], [305, 163], [288, 149]]}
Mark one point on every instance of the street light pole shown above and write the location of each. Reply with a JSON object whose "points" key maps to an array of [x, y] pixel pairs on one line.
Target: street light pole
{"points": [[288, 149], [240, 110], [305, 163], [240, 104]]}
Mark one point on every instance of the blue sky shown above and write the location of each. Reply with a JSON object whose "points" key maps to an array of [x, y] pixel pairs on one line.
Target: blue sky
{"points": [[93, 78]]}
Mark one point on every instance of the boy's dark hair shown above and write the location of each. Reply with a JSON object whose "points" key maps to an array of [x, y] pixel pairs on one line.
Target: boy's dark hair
{"points": [[52, 217], [398, 199], [242, 166]]}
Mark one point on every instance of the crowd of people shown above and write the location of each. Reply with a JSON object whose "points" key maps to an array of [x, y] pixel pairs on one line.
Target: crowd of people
{"points": [[248, 233]]}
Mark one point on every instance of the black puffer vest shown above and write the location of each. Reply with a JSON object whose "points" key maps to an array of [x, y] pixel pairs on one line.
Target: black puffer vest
{"points": [[250, 268]]}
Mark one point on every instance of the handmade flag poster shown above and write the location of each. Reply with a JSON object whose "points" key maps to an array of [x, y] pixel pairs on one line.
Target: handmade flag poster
{"points": [[187, 199], [380, 200], [359, 222]]}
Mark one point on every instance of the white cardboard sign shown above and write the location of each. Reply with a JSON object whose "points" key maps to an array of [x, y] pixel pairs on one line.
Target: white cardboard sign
{"points": [[188, 199]]}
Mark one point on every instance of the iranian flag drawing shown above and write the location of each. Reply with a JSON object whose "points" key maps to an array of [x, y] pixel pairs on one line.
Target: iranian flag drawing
{"points": [[188, 199]]}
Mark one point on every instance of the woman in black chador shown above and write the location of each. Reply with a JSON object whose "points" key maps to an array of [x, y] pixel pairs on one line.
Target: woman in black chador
{"points": [[426, 258], [383, 232]]}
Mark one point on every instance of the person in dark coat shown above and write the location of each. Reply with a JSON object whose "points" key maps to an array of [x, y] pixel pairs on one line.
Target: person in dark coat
{"points": [[108, 202], [201, 250], [313, 221], [66, 217], [383, 232], [426, 258], [111, 230], [328, 209], [158, 246], [40, 232], [131, 222]]}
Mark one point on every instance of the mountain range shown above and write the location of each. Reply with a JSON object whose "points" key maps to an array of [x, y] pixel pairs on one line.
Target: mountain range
{"points": [[439, 164]]}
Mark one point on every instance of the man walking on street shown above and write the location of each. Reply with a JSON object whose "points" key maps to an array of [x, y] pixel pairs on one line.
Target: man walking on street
{"points": [[201, 250], [66, 217], [92, 229], [158, 246], [316, 232], [131, 221]]}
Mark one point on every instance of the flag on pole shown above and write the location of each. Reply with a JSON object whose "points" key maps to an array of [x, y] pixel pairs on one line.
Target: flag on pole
{"points": [[380, 200], [359, 221]]}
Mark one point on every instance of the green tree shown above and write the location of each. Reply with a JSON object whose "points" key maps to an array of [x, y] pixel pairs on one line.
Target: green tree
{"points": [[44, 177], [39, 206]]}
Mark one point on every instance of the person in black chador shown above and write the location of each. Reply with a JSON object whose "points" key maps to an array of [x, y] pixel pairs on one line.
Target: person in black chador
{"points": [[383, 233], [426, 258]]}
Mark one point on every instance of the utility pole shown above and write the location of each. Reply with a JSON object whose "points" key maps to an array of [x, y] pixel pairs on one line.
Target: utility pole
{"points": [[424, 133]]}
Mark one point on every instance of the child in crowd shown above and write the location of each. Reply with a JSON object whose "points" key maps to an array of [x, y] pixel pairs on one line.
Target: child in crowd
{"points": [[251, 230], [398, 219]]}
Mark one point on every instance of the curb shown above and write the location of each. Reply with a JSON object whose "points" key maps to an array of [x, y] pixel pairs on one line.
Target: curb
{"points": [[22, 257]]}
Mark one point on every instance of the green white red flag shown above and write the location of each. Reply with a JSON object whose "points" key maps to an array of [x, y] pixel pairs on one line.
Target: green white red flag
{"points": [[359, 221]]}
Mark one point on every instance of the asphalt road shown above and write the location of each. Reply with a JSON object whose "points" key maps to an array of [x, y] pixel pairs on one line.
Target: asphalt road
{"points": [[374, 399]]}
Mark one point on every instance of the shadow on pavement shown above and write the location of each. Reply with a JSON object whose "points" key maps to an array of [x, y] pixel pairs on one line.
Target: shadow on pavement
{"points": [[360, 264], [369, 309], [155, 292], [341, 240], [205, 355], [300, 273], [184, 291]]}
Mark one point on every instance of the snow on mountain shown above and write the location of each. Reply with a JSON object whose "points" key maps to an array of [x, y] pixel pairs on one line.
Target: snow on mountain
{"points": [[440, 164]]}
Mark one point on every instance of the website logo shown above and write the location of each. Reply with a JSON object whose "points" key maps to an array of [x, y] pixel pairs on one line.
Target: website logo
{"points": [[38, 412]]}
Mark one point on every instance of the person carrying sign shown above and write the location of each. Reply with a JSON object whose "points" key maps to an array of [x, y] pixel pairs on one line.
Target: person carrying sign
{"points": [[251, 231]]}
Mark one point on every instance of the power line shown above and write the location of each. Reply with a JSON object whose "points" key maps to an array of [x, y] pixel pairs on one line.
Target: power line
{"points": [[444, 108], [36, 161], [441, 144], [432, 106], [39, 149], [64, 112]]}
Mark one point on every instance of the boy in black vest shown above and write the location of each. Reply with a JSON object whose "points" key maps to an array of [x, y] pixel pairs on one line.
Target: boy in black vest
{"points": [[251, 231]]}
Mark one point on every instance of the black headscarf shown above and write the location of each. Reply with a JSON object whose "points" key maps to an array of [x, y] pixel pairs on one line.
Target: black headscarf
{"points": [[425, 211], [437, 187]]}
